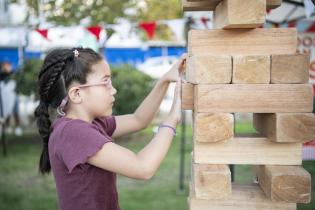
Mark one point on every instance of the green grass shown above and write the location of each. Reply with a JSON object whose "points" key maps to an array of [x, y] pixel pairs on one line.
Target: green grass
{"points": [[21, 187]]}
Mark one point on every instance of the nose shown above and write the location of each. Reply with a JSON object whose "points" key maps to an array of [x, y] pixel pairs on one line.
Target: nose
{"points": [[114, 91]]}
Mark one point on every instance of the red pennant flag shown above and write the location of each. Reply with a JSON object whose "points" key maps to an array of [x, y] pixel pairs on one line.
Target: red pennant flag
{"points": [[149, 28], [95, 30], [311, 28], [291, 24], [43, 32], [204, 21]]}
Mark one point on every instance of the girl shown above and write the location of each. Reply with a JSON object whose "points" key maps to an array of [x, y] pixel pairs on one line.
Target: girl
{"points": [[79, 145]]}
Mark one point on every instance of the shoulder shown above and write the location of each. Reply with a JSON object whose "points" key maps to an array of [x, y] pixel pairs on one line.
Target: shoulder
{"points": [[105, 124], [74, 127]]}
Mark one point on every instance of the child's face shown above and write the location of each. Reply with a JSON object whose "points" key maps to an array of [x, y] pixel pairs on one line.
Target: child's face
{"points": [[100, 98]]}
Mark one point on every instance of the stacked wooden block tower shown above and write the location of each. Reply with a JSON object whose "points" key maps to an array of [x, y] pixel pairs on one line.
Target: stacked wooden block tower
{"points": [[240, 67]]}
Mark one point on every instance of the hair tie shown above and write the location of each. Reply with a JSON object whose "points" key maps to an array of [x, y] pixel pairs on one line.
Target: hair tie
{"points": [[60, 109], [76, 53]]}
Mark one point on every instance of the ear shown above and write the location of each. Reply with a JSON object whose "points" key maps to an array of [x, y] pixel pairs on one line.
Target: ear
{"points": [[74, 95]]}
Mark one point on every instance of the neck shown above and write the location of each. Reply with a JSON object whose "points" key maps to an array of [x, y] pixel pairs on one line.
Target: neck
{"points": [[79, 115]]}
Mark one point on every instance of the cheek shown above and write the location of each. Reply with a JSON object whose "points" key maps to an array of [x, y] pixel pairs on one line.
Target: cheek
{"points": [[102, 99]]}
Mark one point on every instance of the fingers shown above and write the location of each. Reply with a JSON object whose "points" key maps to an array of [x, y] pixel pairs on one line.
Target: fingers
{"points": [[182, 64]]}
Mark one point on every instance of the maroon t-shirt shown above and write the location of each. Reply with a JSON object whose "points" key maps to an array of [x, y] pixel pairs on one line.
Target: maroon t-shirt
{"points": [[79, 184]]}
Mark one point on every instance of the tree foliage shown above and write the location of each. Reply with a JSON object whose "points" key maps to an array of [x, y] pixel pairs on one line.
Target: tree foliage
{"points": [[71, 12], [152, 10], [132, 87]]}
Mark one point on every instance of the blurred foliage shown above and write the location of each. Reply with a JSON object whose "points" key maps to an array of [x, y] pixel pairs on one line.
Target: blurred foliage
{"points": [[101, 12], [70, 12], [26, 78], [132, 87], [152, 10]]}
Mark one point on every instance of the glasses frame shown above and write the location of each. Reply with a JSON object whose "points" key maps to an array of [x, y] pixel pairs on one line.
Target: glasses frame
{"points": [[107, 83]]}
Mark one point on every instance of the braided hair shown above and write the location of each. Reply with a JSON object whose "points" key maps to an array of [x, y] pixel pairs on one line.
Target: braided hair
{"points": [[60, 69]]}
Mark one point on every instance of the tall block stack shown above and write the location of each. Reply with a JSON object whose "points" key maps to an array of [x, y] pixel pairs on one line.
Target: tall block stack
{"points": [[240, 67]]}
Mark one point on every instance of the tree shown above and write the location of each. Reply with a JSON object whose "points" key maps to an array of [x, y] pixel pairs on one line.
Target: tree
{"points": [[71, 12], [151, 10]]}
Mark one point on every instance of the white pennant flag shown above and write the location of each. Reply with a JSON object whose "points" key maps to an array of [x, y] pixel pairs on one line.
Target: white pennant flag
{"points": [[309, 8], [177, 26]]}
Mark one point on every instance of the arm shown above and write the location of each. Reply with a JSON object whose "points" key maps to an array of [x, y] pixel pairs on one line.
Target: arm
{"points": [[143, 165], [145, 113]]}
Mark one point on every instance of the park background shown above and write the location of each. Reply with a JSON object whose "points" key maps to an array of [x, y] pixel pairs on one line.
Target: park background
{"points": [[141, 39]]}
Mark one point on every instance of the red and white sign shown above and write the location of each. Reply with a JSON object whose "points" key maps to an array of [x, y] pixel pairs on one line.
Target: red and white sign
{"points": [[306, 44]]}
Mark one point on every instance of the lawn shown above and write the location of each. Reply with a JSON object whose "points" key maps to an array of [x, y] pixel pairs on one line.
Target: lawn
{"points": [[21, 187]]}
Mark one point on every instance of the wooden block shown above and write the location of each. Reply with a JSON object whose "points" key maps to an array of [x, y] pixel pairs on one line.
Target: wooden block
{"points": [[199, 5], [255, 98], [187, 96], [252, 69], [243, 197], [248, 150], [285, 183], [210, 5], [209, 127], [239, 14], [211, 181], [284, 127], [292, 68], [272, 4], [206, 69], [259, 41]]}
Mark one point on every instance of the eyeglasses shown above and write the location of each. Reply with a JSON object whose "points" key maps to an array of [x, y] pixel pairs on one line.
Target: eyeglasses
{"points": [[107, 83]]}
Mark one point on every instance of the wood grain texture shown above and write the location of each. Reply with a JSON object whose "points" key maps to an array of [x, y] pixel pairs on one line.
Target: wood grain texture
{"points": [[259, 41], [207, 69], [243, 197], [252, 69], [292, 68], [210, 5], [187, 96], [230, 14], [209, 127], [248, 150], [199, 5], [255, 98], [285, 183], [286, 127], [211, 181]]}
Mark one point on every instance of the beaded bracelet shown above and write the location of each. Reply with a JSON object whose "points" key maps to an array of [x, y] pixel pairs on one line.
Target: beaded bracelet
{"points": [[167, 126]]}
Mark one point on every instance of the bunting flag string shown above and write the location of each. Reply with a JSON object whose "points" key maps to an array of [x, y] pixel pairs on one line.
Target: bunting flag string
{"points": [[95, 30], [149, 28], [175, 25], [43, 33]]}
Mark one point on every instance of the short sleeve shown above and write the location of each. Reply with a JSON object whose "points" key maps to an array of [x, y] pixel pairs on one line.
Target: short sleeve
{"points": [[106, 124], [81, 140]]}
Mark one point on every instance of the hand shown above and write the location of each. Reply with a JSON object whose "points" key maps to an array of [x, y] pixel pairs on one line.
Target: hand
{"points": [[175, 112], [177, 70]]}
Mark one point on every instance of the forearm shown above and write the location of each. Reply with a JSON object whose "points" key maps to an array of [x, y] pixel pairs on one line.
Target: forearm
{"points": [[149, 106], [153, 153]]}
